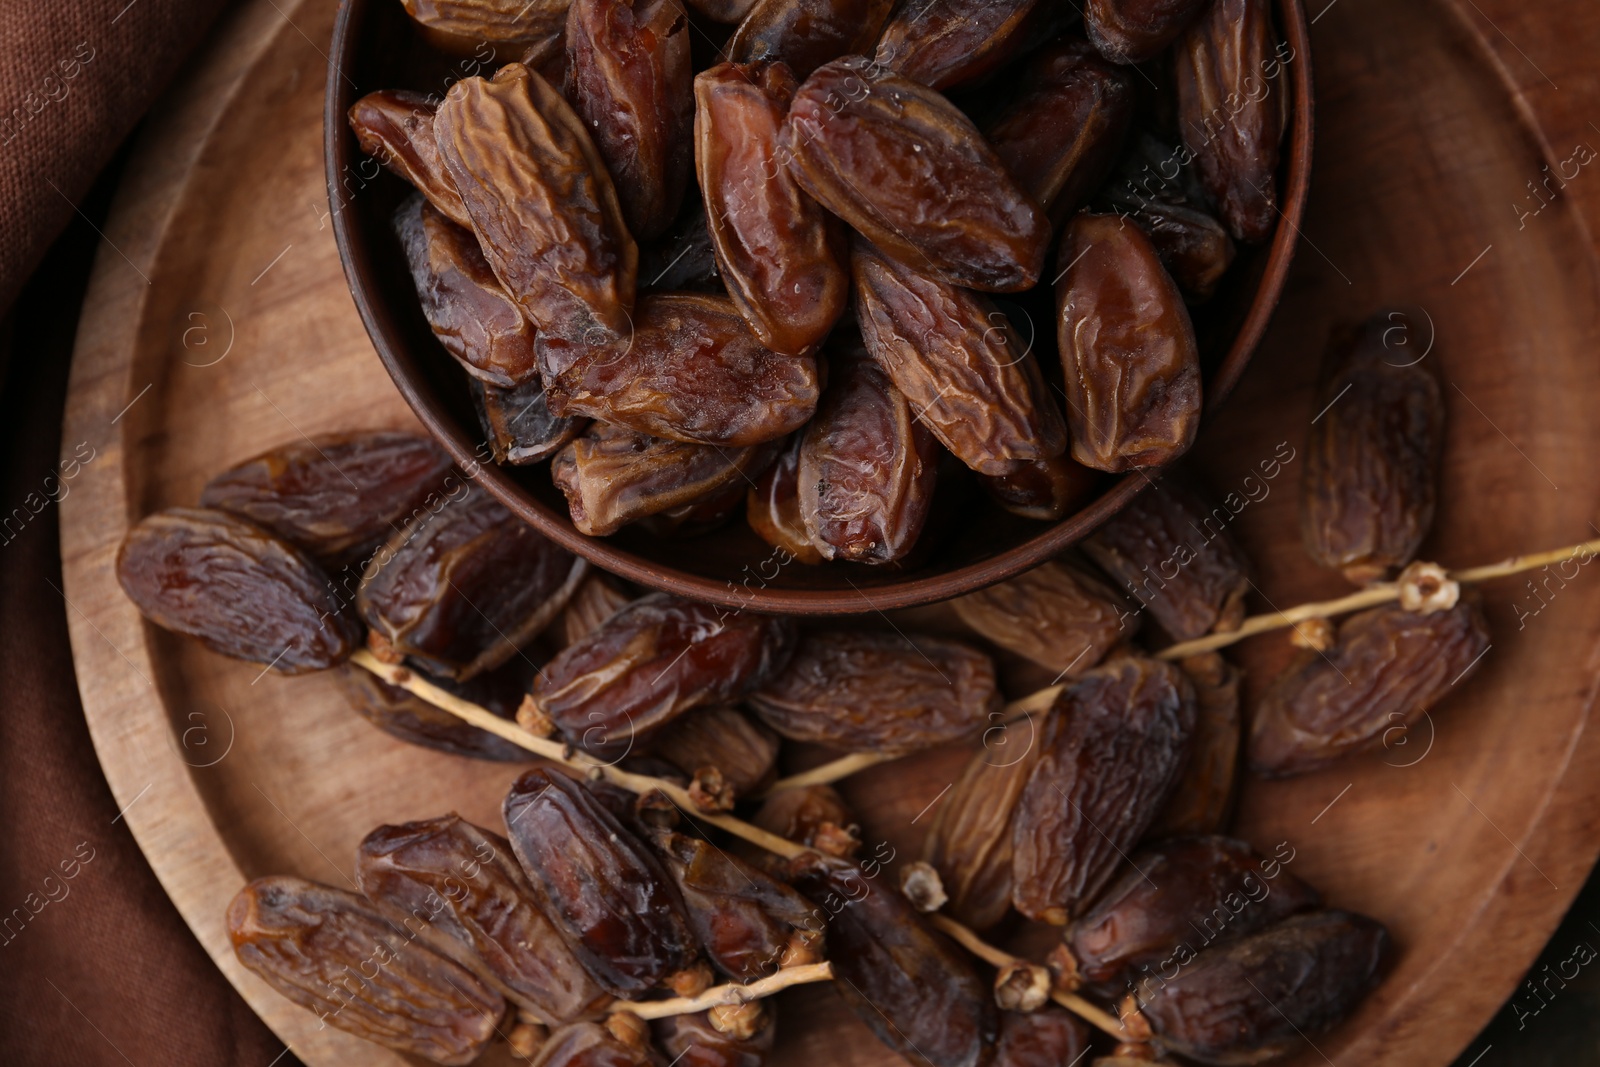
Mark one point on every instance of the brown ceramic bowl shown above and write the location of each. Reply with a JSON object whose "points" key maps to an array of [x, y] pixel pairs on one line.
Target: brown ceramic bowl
{"points": [[376, 46]]}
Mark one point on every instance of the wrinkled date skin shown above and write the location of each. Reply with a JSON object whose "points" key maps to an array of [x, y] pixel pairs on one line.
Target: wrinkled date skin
{"points": [[969, 843], [780, 253], [805, 34], [518, 424], [867, 467], [1175, 555], [1060, 134], [690, 371], [238, 589], [772, 506], [748, 923], [910, 172], [596, 600], [471, 315], [541, 203], [631, 76], [651, 662], [1049, 1037], [395, 127], [728, 12], [1262, 997], [1111, 748], [336, 497], [692, 1040], [744, 752], [1202, 801], [1128, 352], [315, 944], [591, 1045], [874, 691], [507, 21], [614, 476], [1134, 31], [1058, 615], [916, 991], [461, 590], [949, 43], [1233, 107], [1046, 489], [400, 714], [458, 887], [601, 887], [956, 359], [1386, 668], [1180, 897], [1372, 460]]}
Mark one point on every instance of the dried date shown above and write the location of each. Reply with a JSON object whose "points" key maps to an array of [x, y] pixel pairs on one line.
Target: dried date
{"points": [[395, 127], [1112, 748], [315, 945], [541, 202], [1046, 489], [773, 506], [631, 83], [458, 887], [238, 589], [1175, 555], [1372, 458], [1202, 801], [912, 174], [969, 843], [955, 358], [473, 317], [461, 590], [596, 600], [689, 371], [816, 816], [498, 21], [1049, 1037], [1386, 668], [805, 34], [589, 1044], [741, 752], [518, 424], [1260, 997], [867, 467], [651, 662], [696, 1041], [336, 497], [1128, 351], [601, 886], [950, 43], [400, 714], [872, 691], [780, 253], [1134, 31], [1058, 615]]}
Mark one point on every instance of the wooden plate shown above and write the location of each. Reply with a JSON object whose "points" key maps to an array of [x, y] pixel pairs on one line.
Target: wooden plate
{"points": [[218, 324]]}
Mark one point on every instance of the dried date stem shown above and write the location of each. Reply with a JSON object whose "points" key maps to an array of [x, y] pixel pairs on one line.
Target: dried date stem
{"points": [[732, 993]]}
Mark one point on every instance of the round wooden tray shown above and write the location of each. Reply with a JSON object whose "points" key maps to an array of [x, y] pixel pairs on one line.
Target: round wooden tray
{"points": [[218, 324]]}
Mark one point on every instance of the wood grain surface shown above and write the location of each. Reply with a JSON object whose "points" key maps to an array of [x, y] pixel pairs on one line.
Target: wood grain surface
{"points": [[218, 324]]}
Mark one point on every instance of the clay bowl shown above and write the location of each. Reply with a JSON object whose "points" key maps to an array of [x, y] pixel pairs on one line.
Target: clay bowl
{"points": [[971, 542]]}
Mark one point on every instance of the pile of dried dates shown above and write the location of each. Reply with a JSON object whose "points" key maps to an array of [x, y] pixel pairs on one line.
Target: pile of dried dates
{"points": [[790, 254]]}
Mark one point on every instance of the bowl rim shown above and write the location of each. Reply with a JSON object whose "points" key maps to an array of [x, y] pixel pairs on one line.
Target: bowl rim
{"points": [[913, 591]]}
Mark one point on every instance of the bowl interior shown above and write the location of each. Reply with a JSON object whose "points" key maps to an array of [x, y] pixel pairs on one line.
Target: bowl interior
{"points": [[969, 542]]}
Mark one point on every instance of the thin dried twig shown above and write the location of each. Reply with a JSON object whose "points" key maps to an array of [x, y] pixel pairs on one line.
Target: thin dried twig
{"points": [[733, 993]]}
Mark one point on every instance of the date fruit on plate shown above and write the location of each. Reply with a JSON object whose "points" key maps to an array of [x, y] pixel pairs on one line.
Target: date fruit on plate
{"points": [[652, 661], [916, 991], [1181, 896], [909, 171], [772, 507], [315, 945], [698, 1041], [1176, 556], [873, 691], [1134, 31], [1233, 106], [1046, 489], [805, 34], [461, 590], [781, 254], [1262, 997], [1202, 801], [1060, 133], [954, 357], [517, 422], [1128, 351], [1170, 208], [950, 43], [406, 716], [1386, 668], [496, 21], [1049, 1037], [1058, 615], [1110, 751], [630, 79], [395, 127], [336, 497], [969, 843], [1372, 459], [867, 467], [240, 590], [601, 886], [690, 370], [458, 888], [470, 313], [541, 203]]}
